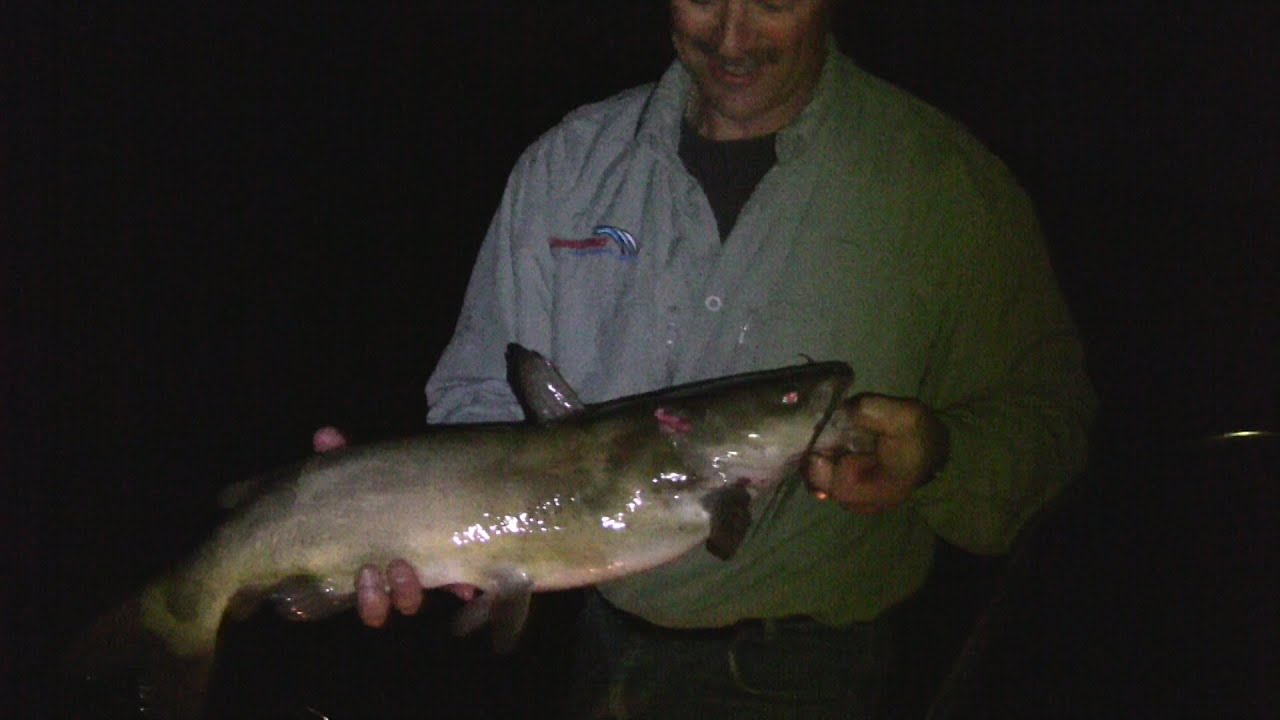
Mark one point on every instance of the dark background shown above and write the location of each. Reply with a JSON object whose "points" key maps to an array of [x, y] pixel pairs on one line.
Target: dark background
{"points": [[253, 219]]}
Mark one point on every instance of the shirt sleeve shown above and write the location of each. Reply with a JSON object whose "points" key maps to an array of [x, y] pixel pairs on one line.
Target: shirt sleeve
{"points": [[1006, 373], [507, 300]]}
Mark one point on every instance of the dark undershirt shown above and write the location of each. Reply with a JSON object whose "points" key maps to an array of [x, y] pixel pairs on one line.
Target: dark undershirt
{"points": [[728, 170]]}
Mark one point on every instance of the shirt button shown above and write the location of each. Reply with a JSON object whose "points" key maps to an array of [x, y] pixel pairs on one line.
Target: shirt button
{"points": [[713, 303]]}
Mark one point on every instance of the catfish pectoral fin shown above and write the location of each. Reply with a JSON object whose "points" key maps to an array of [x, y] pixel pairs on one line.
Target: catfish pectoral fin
{"points": [[505, 606], [730, 509]]}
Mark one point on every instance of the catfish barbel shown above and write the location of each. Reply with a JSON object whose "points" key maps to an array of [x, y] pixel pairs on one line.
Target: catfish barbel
{"points": [[581, 495]]}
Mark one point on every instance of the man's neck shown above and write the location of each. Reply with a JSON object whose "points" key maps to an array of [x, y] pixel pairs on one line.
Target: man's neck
{"points": [[715, 126]]}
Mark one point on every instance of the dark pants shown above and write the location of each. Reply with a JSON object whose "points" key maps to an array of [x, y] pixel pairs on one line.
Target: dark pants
{"points": [[789, 668]]}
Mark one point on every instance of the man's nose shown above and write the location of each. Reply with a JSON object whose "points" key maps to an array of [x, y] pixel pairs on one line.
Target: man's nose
{"points": [[733, 31]]}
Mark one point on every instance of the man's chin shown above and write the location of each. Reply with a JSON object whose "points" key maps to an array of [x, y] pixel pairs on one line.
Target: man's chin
{"points": [[731, 112]]}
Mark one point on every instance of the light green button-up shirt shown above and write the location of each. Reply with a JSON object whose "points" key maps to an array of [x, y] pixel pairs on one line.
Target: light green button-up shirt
{"points": [[885, 236]]}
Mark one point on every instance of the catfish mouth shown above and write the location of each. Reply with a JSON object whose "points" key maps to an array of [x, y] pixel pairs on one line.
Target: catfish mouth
{"points": [[754, 482], [764, 474], [836, 395], [759, 473]]}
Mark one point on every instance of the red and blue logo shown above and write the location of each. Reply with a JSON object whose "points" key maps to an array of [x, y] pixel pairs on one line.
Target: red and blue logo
{"points": [[603, 240]]}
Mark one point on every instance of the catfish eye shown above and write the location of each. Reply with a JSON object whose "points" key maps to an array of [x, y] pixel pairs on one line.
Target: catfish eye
{"points": [[791, 398]]}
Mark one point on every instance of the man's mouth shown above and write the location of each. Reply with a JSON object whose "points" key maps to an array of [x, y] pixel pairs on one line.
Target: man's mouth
{"points": [[735, 73]]}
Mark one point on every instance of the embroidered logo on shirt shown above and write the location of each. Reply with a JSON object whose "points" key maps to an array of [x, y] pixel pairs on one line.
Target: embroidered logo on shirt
{"points": [[602, 241]]}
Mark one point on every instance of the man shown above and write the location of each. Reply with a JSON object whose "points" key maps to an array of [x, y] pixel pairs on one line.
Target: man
{"points": [[765, 201]]}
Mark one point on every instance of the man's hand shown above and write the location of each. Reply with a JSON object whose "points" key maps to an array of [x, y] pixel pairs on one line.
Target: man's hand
{"points": [[377, 592], [374, 601], [875, 452]]}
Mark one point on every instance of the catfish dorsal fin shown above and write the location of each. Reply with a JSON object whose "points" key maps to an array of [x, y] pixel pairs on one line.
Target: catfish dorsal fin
{"points": [[542, 391]]}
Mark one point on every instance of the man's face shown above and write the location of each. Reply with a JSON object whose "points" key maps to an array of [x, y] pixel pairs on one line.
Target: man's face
{"points": [[755, 62]]}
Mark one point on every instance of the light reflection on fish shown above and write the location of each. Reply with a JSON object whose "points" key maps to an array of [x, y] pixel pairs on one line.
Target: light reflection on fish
{"points": [[583, 495]]}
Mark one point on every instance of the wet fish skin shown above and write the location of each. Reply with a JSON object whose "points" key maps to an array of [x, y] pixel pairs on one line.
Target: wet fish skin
{"points": [[585, 495]]}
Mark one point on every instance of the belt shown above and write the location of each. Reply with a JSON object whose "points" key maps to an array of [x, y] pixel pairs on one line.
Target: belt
{"points": [[739, 638], [765, 626]]}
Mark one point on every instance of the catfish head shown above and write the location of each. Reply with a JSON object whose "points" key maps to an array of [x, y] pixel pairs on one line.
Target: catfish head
{"points": [[750, 430], [745, 429], [717, 443]]}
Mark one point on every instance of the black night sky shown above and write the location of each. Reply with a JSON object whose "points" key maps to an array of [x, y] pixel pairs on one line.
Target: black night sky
{"points": [[254, 219]]}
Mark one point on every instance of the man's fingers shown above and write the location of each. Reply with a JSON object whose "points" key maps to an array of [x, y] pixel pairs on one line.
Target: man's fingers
{"points": [[372, 602], [818, 471], [328, 438], [406, 590], [912, 441], [844, 478], [884, 415], [852, 480], [377, 593], [855, 482], [878, 452]]}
